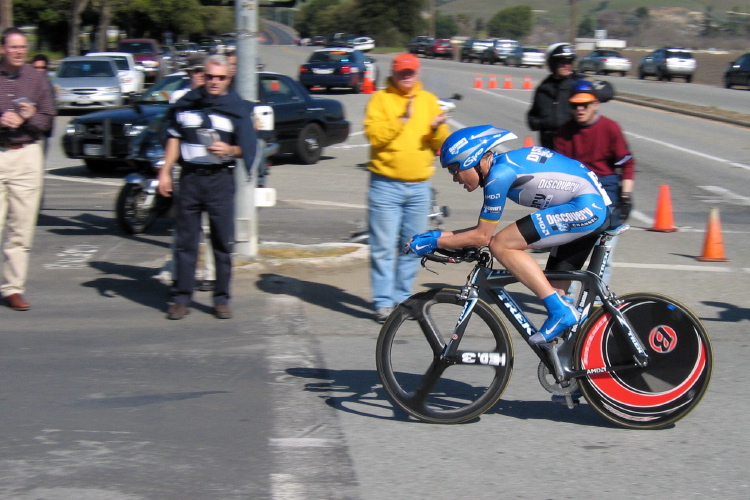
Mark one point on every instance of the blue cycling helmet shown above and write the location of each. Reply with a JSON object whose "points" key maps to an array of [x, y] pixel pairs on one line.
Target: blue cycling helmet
{"points": [[466, 147]]}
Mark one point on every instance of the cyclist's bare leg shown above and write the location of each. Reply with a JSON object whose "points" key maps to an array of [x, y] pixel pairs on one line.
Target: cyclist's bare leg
{"points": [[509, 247]]}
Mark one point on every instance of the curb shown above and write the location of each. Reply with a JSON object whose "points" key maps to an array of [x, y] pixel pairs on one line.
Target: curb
{"points": [[358, 256]]}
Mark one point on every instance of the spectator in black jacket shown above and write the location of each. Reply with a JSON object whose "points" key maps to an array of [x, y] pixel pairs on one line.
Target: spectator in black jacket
{"points": [[551, 108]]}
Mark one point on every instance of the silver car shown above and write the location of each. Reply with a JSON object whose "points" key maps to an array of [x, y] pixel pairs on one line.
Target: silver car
{"points": [[604, 62], [87, 83], [667, 63]]}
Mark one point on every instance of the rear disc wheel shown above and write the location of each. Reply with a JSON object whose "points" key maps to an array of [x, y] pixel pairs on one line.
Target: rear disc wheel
{"points": [[676, 377]]}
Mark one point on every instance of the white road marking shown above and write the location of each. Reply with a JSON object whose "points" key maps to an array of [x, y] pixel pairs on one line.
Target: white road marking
{"points": [[690, 151], [102, 182], [725, 195]]}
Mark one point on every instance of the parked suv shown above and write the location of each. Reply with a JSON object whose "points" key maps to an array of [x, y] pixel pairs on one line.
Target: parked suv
{"points": [[474, 49], [419, 44], [666, 63], [148, 54], [499, 50]]}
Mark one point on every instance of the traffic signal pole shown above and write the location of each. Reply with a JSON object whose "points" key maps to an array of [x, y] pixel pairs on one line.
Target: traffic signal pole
{"points": [[246, 225]]}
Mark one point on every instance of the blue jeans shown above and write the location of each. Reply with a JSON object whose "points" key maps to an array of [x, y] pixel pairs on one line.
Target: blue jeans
{"points": [[397, 211]]}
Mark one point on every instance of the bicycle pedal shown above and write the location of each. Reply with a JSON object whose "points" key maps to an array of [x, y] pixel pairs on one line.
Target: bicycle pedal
{"points": [[567, 399]]}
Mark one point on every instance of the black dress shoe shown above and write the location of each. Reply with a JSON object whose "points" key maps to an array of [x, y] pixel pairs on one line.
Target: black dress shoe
{"points": [[17, 302], [178, 311], [223, 311]]}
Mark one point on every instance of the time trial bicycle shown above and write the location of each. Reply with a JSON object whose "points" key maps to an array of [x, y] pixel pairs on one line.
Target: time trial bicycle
{"points": [[641, 360]]}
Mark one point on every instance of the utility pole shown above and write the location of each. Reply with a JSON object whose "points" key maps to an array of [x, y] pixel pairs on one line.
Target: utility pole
{"points": [[246, 226], [573, 20]]}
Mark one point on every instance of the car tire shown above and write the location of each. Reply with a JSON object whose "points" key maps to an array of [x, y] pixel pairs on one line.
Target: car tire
{"points": [[688, 78], [357, 87], [623, 73], [641, 75], [98, 166], [309, 144]]}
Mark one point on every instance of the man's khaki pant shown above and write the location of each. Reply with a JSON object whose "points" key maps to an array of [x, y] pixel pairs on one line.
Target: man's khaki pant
{"points": [[21, 179]]}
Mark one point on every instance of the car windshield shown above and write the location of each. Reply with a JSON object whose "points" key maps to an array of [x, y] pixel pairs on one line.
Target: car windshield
{"points": [[531, 49], [85, 69], [334, 56], [136, 47], [121, 62], [610, 53], [162, 91]]}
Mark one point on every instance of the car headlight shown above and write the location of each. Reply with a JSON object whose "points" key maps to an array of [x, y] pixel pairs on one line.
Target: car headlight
{"points": [[133, 130], [61, 91], [74, 128]]}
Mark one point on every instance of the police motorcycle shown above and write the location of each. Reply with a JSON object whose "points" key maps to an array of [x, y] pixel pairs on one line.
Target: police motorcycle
{"points": [[361, 233], [139, 203]]}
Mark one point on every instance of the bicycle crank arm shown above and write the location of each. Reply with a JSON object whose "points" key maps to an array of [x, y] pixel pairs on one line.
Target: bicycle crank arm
{"points": [[603, 369]]}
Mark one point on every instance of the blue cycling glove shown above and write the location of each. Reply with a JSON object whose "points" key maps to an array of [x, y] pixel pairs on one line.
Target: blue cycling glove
{"points": [[424, 243]]}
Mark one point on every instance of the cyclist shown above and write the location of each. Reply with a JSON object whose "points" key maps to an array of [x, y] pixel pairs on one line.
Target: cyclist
{"points": [[571, 203]]}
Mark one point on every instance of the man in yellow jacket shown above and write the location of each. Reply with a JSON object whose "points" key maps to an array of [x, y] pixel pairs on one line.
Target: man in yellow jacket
{"points": [[405, 127]]}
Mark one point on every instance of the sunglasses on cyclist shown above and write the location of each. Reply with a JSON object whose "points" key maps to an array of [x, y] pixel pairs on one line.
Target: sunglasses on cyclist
{"points": [[221, 78]]}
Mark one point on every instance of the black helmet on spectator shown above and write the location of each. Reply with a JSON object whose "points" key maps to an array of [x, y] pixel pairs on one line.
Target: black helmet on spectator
{"points": [[558, 53]]}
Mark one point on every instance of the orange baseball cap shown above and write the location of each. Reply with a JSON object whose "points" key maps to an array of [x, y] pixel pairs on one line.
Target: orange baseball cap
{"points": [[405, 61], [582, 97]]}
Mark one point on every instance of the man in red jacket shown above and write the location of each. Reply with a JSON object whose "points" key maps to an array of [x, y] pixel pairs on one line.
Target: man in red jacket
{"points": [[598, 142]]}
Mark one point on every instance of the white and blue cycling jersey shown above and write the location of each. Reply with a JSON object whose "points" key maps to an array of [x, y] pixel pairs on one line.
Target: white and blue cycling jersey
{"points": [[570, 200]]}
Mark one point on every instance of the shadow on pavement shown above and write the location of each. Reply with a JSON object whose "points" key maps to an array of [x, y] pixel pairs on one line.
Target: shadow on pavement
{"points": [[359, 392], [727, 312], [134, 283], [319, 294]]}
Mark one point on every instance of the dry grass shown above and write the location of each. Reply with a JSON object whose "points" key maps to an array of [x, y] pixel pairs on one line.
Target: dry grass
{"points": [[302, 253]]}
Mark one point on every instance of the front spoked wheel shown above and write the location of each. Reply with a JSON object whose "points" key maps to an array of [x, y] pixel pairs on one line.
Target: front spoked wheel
{"points": [[417, 377], [678, 372]]}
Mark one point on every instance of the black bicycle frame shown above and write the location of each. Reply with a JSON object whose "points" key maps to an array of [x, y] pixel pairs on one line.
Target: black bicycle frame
{"points": [[557, 359]]}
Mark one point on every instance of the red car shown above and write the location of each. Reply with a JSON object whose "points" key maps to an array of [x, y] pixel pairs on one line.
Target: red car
{"points": [[440, 47]]}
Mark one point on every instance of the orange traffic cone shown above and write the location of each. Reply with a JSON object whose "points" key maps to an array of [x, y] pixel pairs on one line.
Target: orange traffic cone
{"points": [[713, 245], [508, 83], [664, 222], [527, 83], [528, 142], [492, 83], [478, 82], [368, 87]]}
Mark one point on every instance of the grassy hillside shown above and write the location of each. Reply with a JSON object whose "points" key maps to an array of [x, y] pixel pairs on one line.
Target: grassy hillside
{"points": [[560, 9]]}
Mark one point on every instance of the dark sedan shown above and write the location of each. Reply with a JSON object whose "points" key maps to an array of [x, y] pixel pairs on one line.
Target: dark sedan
{"points": [[304, 125], [738, 72], [334, 67]]}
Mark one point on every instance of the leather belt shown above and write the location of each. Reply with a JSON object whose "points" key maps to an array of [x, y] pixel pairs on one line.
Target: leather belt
{"points": [[15, 146], [205, 170]]}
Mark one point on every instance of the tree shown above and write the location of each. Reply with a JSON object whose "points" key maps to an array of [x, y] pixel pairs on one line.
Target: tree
{"points": [[76, 9], [445, 26], [586, 27], [6, 14], [307, 22], [513, 22]]}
